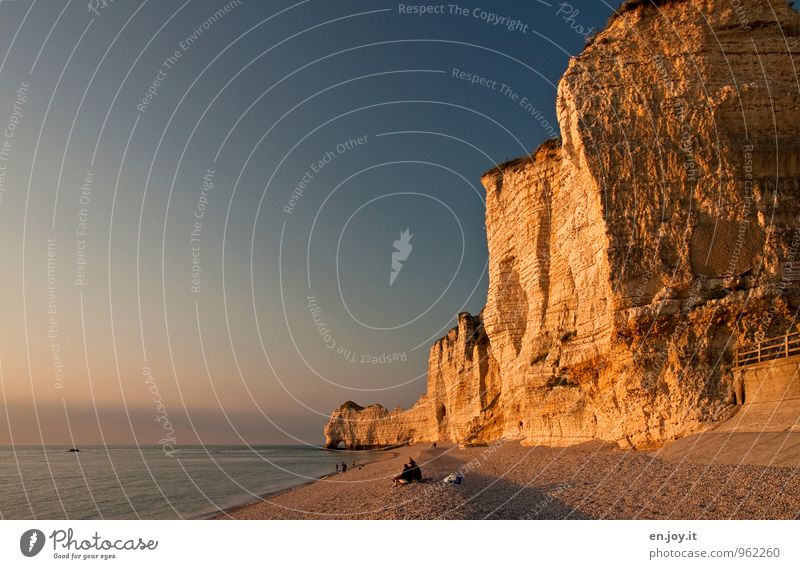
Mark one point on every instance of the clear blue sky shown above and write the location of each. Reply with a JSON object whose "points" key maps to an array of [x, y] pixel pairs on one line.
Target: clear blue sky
{"points": [[198, 208]]}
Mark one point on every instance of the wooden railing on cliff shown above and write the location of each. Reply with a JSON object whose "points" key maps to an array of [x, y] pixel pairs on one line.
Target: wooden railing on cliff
{"points": [[768, 349]]}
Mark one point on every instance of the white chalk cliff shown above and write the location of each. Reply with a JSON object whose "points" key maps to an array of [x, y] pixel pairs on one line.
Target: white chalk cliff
{"points": [[628, 259]]}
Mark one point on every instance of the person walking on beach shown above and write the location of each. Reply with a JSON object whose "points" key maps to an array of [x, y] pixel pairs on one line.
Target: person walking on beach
{"points": [[344, 467], [337, 467]]}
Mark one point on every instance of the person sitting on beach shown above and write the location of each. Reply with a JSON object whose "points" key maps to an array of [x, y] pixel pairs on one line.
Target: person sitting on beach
{"points": [[416, 472], [404, 477], [411, 472]]}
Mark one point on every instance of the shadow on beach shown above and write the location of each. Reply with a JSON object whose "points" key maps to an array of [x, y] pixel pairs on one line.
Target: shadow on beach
{"points": [[508, 481], [482, 496]]}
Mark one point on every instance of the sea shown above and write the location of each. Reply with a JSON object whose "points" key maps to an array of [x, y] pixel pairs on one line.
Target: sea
{"points": [[130, 482]]}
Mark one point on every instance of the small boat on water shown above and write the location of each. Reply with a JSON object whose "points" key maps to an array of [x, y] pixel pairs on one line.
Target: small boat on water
{"points": [[74, 450]]}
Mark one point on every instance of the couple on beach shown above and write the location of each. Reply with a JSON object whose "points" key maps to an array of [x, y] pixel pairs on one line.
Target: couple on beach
{"points": [[411, 473]]}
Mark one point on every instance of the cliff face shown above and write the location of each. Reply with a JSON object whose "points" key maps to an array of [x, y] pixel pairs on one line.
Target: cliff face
{"points": [[461, 402], [628, 260]]}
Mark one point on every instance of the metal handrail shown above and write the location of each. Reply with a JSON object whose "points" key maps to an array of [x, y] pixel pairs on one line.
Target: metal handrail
{"points": [[768, 349]]}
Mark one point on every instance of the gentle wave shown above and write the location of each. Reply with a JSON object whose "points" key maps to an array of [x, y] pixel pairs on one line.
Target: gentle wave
{"points": [[122, 482]]}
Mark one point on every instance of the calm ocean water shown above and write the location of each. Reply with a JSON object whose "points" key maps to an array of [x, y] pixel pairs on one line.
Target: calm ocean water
{"points": [[129, 482]]}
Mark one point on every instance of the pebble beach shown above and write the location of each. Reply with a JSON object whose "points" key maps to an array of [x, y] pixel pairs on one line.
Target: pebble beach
{"points": [[506, 480]]}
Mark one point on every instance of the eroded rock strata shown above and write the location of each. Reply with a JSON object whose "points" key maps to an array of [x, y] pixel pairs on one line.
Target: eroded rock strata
{"points": [[630, 258]]}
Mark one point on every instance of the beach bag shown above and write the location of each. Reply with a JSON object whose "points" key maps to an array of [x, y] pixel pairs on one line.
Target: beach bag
{"points": [[454, 478]]}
